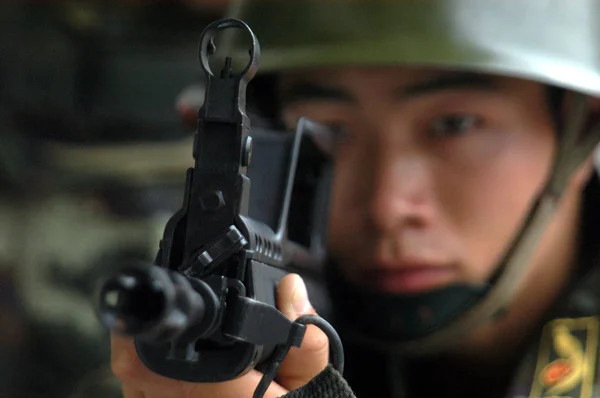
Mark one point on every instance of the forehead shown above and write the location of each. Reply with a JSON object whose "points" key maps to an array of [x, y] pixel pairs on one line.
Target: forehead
{"points": [[400, 73], [347, 82]]}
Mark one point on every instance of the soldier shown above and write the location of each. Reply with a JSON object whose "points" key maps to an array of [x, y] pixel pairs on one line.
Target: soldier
{"points": [[467, 133]]}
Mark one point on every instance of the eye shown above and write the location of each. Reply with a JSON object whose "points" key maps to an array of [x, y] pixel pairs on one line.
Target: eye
{"points": [[453, 125], [340, 130]]}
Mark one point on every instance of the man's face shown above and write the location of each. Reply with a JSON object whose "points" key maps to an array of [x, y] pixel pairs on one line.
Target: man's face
{"points": [[435, 171]]}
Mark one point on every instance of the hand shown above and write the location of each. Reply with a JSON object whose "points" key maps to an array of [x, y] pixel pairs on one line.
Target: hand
{"points": [[298, 368]]}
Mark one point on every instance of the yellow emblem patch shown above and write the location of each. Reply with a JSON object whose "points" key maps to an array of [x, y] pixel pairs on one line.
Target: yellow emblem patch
{"points": [[566, 361]]}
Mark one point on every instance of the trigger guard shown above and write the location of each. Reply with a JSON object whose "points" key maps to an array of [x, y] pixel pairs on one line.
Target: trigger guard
{"points": [[210, 33]]}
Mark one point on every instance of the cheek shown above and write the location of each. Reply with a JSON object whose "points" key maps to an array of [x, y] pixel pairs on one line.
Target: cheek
{"points": [[488, 206], [348, 191]]}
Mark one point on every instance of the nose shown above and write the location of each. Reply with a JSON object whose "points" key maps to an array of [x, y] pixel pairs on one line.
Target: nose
{"points": [[401, 194]]}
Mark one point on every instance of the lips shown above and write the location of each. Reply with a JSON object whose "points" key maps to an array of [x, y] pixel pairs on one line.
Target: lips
{"points": [[407, 277]]}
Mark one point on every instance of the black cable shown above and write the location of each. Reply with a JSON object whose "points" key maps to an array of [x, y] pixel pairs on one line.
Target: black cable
{"points": [[271, 372], [336, 350]]}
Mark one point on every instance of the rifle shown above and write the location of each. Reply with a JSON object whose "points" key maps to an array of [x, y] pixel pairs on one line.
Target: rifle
{"points": [[205, 311]]}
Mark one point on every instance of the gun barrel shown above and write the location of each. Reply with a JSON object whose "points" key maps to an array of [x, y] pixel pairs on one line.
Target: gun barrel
{"points": [[150, 303]]}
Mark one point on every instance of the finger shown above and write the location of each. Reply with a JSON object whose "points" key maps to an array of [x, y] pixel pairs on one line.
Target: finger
{"points": [[130, 392], [304, 363], [242, 387], [126, 365], [129, 369]]}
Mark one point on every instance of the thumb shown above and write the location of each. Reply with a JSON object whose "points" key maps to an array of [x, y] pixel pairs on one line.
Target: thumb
{"points": [[304, 363]]}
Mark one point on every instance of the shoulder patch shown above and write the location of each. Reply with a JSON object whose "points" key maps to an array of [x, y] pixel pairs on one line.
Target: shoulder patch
{"points": [[567, 356]]}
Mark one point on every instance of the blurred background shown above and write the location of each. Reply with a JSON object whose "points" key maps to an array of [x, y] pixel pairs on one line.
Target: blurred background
{"points": [[92, 163]]}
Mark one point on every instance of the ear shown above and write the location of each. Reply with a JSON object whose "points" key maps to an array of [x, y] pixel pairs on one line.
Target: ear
{"points": [[188, 103]]}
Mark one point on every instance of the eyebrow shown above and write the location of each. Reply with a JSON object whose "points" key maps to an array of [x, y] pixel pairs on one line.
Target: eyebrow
{"points": [[305, 91], [448, 82]]}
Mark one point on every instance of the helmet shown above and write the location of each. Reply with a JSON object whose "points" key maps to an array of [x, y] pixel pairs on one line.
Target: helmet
{"points": [[551, 41], [554, 42]]}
